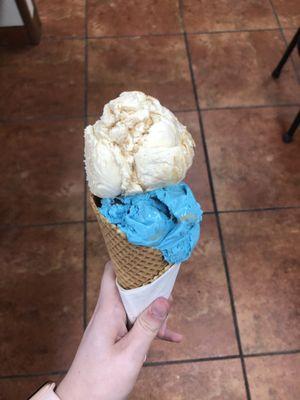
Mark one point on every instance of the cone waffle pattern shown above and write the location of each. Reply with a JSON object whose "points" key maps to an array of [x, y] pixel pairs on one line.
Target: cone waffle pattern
{"points": [[134, 266]]}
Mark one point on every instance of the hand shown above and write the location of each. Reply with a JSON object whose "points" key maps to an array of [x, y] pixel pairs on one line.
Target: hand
{"points": [[109, 357]]}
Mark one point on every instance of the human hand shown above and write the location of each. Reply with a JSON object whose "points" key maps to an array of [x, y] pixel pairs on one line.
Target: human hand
{"points": [[109, 358]]}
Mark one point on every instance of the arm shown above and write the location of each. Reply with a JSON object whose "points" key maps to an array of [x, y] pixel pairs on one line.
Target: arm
{"points": [[108, 353]]}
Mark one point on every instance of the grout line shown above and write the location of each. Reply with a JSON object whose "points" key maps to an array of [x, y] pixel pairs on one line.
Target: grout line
{"points": [[42, 225], [46, 39], [251, 210], [228, 280], [84, 181], [250, 106], [50, 38], [284, 40], [209, 212], [89, 220], [197, 33], [245, 210], [184, 110], [272, 353], [39, 119], [32, 375], [168, 362], [67, 117], [232, 31], [29, 119], [137, 36], [190, 360], [92, 220]]}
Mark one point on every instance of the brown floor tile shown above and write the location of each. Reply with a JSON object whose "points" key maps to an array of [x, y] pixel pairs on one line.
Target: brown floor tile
{"points": [[97, 256], [220, 380], [214, 15], [42, 81], [201, 310], [40, 298], [133, 17], [263, 256], [288, 12], [274, 378], [234, 69], [251, 166], [43, 180], [61, 18], [155, 65], [197, 176], [21, 388]]}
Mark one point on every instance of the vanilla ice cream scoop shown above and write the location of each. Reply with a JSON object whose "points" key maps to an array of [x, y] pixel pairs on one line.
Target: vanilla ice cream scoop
{"points": [[137, 145]]}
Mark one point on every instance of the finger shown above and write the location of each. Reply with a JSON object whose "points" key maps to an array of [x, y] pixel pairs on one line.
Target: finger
{"points": [[146, 328], [170, 336], [167, 334], [108, 289], [109, 314], [162, 328]]}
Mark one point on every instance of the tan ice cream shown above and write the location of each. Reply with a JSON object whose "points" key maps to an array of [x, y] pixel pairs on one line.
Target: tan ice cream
{"points": [[137, 145]]}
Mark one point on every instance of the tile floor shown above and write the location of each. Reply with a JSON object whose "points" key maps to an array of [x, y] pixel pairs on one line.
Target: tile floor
{"points": [[210, 62]]}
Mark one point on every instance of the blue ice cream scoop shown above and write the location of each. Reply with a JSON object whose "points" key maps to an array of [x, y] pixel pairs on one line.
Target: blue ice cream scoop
{"points": [[167, 219]]}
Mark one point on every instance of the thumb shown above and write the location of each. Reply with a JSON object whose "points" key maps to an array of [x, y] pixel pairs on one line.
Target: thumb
{"points": [[146, 327]]}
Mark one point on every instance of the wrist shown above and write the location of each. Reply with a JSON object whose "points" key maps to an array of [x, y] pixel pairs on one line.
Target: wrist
{"points": [[64, 391], [71, 389]]}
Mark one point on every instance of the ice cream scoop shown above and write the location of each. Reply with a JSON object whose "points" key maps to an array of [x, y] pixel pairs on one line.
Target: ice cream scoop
{"points": [[136, 146], [167, 219]]}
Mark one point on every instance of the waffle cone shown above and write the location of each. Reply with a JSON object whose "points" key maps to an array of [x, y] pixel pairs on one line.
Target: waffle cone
{"points": [[134, 265]]}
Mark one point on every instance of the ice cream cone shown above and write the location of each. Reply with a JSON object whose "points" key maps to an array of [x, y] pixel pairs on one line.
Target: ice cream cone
{"points": [[134, 266]]}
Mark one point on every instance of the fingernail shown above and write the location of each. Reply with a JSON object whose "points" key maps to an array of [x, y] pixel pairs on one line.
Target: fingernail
{"points": [[160, 308]]}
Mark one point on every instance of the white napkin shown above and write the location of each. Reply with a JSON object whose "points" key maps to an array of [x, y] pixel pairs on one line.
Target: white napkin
{"points": [[136, 300]]}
